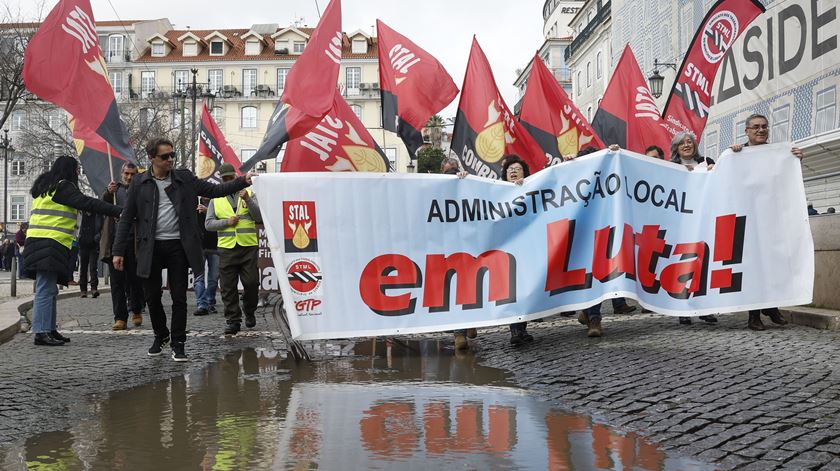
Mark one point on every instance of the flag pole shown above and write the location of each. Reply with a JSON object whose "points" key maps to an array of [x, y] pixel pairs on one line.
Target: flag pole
{"points": [[110, 164]]}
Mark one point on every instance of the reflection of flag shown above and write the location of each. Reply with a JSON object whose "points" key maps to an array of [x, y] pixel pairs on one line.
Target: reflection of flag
{"points": [[628, 115], [551, 118], [340, 143], [309, 90], [485, 129], [213, 149], [414, 84], [63, 64], [93, 154], [688, 104]]}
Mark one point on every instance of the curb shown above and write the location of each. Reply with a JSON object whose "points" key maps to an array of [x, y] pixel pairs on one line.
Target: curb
{"points": [[823, 319], [11, 313]]}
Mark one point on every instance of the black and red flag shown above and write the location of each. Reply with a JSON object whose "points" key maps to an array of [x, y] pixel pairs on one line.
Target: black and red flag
{"points": [[339, 143], [93, 154], [551, 118], [628, 115], [687, 108], [213, 149], [310, 87], [485, 129], [414, 86], [63, 64]]}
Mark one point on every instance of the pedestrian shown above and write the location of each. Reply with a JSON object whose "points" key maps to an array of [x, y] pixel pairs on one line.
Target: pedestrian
{"points": [[74, 258], [20, 240], [235, 219], [52, 228], [205, 284], [656, 152], [9, 254], [89, 233], [758, 133], [161, 202], [126, 287]]}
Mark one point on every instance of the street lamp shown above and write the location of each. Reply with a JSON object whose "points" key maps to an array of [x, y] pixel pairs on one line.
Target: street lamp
{"points": [[6, 145], [195, 92], [656, 80]]}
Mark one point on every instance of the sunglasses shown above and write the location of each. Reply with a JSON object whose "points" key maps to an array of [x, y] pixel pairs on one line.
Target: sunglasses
{"points": [[168, 156]]}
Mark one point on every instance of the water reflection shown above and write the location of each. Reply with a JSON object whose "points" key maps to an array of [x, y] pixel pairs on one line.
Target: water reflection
{"points": [[377, 405]]}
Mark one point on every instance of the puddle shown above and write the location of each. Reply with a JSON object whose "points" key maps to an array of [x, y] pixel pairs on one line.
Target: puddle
{"points": [[372, 405]]}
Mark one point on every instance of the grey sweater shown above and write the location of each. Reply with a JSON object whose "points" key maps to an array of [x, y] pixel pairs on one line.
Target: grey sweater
{"points": [[212, 223]]}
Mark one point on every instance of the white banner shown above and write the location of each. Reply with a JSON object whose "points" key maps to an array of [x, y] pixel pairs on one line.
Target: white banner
{"points": [[382, 254]]}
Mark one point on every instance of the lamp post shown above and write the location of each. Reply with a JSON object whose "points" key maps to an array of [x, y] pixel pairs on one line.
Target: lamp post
{"points": [[5, 144], [194, 91], [656, 80]]}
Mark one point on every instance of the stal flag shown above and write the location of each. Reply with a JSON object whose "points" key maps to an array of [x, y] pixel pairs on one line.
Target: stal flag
{"points": [[213, 149], [339, 143], [93, 154], [687, 108], [628, 115], [485, 129], [552, 119], [63, 64], [309, 90], [414, 86]]}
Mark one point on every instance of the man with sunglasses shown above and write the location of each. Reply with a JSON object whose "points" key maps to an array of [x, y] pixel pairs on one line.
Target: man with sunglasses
{"points": [[758, 133], [161, 204]]}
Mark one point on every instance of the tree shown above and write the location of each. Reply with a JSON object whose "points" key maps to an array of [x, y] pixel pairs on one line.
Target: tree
{"points": [[14, 36], [434, 130], [429, 159]]}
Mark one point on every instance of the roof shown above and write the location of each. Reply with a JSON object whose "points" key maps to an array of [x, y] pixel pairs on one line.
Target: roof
{"points": [[237, 48], [104, 24]]}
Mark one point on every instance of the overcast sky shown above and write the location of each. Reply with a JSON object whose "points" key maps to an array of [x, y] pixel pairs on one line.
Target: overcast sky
{"points": [[509, 32]]}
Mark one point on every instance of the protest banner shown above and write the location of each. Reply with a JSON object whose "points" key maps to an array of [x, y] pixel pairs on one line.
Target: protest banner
{"points": [[378, 254]]}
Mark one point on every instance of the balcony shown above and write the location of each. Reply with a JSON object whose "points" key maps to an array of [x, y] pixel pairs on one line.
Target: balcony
{"points": [[364, 90], [562, 74], [581, 39], [118, 57]]}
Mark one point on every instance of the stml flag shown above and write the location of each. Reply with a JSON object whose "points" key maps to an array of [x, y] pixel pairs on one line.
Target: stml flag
{"points": [[310, 87], [485, 129], [63, 64], [339, 143], [93, 154], [213, 149], [414, 86], [552, 119], [687, 108]]}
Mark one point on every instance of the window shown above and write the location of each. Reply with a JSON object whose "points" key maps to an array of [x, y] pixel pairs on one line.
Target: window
{"points": [[588, 74], [599, 65], [299, 46], [116, 82], [252, 48], [357, 110], [281, 79], [158, 49], [359, 46], [246, 154], [18, 120], [18, 208], [826, 110], [740, 132], [249, 117], [218, 114], [55, 120], [391, 154], [216, 78], [217, 48], [249, 81], [147, 116], [18, 168], [711, 141], [579, 81], [190, 48], [116, 48], [354, 78], [147, 83], [780, 127], [281, 45], [182, 80], [589, 114]]}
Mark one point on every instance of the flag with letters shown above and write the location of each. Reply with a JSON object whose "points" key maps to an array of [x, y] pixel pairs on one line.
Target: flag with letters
{"points": [[213, 149]]}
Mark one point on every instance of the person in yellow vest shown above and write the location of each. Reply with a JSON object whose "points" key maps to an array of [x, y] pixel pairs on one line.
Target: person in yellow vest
{"points": [[52, 229], [235, 218]]}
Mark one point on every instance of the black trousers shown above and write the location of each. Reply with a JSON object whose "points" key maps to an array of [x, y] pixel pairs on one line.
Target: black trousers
{"points": [[168, 254], [88, 263], [126, 288], [235, 265]]}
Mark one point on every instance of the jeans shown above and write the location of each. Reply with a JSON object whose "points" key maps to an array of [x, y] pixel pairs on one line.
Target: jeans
{"points": [[168, 254], [594, 312], [88, 263], [44, 304], [205, 294], [126, 288]]}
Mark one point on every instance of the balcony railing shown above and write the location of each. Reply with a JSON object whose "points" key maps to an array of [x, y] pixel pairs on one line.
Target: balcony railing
{"points": [[584, 35], [562, 74], [118, 57]]}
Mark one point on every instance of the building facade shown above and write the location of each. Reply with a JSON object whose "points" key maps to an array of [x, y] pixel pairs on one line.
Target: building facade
{"points": [[589, 55]]}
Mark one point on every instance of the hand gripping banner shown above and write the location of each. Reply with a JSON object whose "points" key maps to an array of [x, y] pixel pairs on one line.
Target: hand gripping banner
{"points": [[434, 252]]}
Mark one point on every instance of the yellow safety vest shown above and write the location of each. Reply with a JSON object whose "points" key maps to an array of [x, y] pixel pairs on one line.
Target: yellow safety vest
{"points": [[51, 220], [244, 232]]}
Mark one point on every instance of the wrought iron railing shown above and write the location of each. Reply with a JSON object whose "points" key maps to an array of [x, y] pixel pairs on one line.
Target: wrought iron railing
{"points": [[584, 35]]}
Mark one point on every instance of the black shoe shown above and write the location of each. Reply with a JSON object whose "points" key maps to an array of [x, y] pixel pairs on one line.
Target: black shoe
{"points": [[710, 319], [625, 309], [250, 320], [528, 338], [212, 309], [517, 337], [54, 334], [95, 294], [567, 313], [83, 295], [754, 321], [178, 352], [775, 316], [646, 311], [685, 320], [46, 339], [201, 312], [157, 346], [232, 328]]}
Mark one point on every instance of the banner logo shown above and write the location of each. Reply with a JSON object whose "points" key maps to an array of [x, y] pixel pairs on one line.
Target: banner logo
{"points": [[300, 231], [490, 143], [304, 276], [719, 35]]}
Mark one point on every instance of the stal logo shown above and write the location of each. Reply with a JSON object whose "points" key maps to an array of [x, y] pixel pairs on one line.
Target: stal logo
{"points": [[300, 232], [718, 35], [401, 60], [304, 276]]}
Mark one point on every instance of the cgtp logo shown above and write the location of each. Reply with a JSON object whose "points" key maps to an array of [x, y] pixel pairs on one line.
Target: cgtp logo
{"points": [[300, 232], [719, 35], [307, 305]]}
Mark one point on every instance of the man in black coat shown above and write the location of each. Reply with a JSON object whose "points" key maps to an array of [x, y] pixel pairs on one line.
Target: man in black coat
{"points": [[89, 233], [161, 204]]}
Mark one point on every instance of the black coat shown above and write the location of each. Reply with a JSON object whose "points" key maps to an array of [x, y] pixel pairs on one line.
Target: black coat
{"points": [[142, 206], [44, 254], [90, 230], [698, 158]]}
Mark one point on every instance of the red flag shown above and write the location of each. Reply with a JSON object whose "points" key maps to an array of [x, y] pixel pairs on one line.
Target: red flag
{"points": [[339, 143], [310, 87], [718, 31], [213, 149], [551, 118], [414, 86], [93, 154], [628, 115], [485, 129], [63, 64]]}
